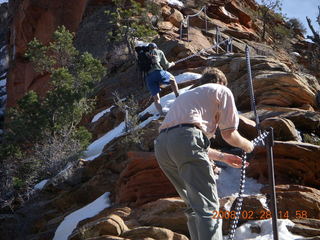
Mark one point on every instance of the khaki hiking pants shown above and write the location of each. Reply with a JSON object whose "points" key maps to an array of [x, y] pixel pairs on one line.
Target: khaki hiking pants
{"points": [[182, 155]]}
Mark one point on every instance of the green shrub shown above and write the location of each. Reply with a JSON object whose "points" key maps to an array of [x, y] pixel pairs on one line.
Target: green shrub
{"points": [[18, 183], [43, 133], [311, 138], [267, 13], [130, 20], [296, 25], [73, 77], [280, 33]]}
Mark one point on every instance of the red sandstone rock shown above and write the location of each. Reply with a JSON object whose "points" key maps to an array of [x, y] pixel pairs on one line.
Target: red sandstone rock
{"points": [[176, 17], [284, 129], [142, 180], [244, 18], [36, 19], [164, 212], [300, 202], [294, 163]]}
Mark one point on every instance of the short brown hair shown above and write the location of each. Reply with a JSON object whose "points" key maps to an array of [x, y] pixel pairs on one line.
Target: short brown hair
{"points": [[213, 75]]}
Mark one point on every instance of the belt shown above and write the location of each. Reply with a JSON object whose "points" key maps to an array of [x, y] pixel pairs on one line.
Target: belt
{"points": [[179, 125]]}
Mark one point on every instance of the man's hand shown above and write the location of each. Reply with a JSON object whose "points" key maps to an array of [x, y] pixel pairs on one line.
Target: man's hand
{"points": [[233, 160], [230, 159]]}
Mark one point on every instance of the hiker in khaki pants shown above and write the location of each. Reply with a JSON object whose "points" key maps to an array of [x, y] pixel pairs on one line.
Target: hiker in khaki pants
{"points": [[183, 149]]}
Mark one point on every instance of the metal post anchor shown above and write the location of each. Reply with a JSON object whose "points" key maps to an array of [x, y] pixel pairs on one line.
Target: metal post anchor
{"points": [[274, 211]]}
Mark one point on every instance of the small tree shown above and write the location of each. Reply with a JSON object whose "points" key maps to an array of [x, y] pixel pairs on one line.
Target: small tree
{"points": [[281, 33], [316, 37], [130, 108], [47, 129], [72, 79], [296, 25], [265, 13], [314, 55], [130, 21]]}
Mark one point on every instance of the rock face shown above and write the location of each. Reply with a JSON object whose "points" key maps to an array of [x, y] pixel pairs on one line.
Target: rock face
{"points": [[304, 120], [123, 223], [274, 84], [284, 129], [295, 163], [145, 204], [36, 19], [298, 201], [109, 225], [164, 212], [142, 180], [40, 18]]}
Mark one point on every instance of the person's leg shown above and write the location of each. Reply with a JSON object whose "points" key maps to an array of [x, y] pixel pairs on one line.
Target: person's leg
{"points": [[157, 104], [166, 79], [153, 80], [203, 198], [187, 147], [174, 85], [192, 223], [170, 169]]}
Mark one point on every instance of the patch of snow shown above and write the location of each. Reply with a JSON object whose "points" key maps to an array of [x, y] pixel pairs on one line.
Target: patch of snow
{"points": [[187, 76], [41, 184], [100, 114], [263, 201], [225, 11], [70, 222], [92, 157], [97, 146], [244, 231], [147, 121], [3, 48], [299, 136], [3, 75], [4, 62], [165, 101], [229, 181], [141, 44], [175, 2], [296, 54], [3, 83]]}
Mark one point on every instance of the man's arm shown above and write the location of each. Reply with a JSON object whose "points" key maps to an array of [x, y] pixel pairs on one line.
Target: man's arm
{"points": [[233, 137], [164, 62], [230, 159]]}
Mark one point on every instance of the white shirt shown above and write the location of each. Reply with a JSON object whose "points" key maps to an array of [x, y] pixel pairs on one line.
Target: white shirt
{"points": [[207, 106]]}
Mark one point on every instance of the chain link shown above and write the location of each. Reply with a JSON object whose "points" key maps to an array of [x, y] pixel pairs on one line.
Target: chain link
{"points": [[201, 51], [258, 141]]}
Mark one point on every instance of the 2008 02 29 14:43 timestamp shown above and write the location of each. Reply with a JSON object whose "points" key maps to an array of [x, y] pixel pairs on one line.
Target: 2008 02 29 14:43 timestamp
{"points": [[263, 214]]}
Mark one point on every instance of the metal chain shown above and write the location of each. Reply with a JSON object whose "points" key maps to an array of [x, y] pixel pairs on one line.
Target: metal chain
{"points": [[202, 50], [250, 84], [258, 141], [239, 199]]}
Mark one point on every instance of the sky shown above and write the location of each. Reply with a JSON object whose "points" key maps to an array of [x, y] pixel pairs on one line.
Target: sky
{"points": [[300, 9]]}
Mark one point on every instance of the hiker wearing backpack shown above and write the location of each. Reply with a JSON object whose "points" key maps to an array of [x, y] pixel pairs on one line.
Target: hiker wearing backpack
{"points": [[157, 77], [183, 149]]}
